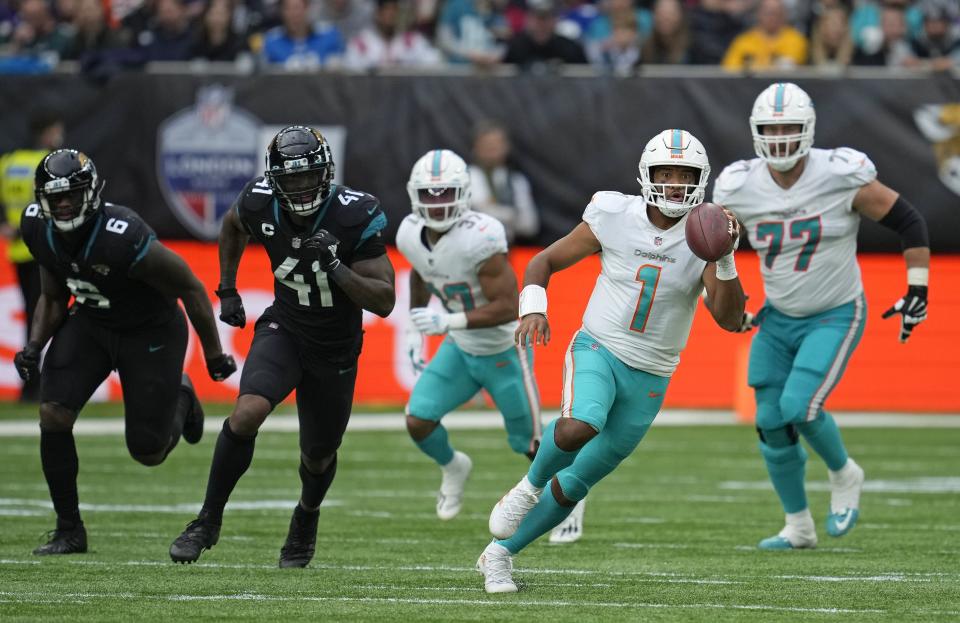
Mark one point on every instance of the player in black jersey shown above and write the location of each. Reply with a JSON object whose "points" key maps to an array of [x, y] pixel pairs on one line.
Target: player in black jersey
{"points": [[329, 264], [125, 286]]}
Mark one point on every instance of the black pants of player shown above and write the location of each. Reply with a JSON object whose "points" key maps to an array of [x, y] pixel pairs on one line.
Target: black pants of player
{"points": [[150, 364], [28, 276], [278, 363]]}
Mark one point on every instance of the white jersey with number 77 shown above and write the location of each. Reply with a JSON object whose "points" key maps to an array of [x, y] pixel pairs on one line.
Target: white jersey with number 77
{"points": [[643, 304], [806, 235]]}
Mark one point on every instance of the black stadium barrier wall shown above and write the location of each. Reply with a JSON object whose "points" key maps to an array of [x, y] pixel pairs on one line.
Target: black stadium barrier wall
{"points": [[177, 147]]}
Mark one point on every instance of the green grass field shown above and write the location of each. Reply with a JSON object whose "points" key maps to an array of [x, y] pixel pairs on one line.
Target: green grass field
{"points": [[668, 537]]}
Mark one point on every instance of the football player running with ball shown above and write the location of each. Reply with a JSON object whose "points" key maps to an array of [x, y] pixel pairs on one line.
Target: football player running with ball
{"points": [[461, 257], [329, 264], [124, 317], [619, 364], [801, 208]]}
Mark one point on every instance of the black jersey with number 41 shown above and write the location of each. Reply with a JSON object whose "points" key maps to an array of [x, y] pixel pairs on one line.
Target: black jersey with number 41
{"points": [[97, 272], [307, 301]]}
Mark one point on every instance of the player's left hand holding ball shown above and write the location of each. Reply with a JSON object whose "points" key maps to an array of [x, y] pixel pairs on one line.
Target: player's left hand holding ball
{"points": [[912, 308], [221, 367], [323, 247], [27, 361]]}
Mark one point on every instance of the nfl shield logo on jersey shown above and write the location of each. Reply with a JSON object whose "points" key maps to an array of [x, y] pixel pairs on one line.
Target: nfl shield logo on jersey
{"points": [[206, 153], [657, 241]]}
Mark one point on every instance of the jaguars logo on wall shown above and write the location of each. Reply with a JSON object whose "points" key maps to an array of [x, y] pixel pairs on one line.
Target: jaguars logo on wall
{"points": [[940, 124], [206, 153]]}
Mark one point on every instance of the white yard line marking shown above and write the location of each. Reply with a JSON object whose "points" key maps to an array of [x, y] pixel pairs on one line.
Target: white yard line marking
{"points": [[36, 597], [253, 505], [470, 420], [920, 484]]}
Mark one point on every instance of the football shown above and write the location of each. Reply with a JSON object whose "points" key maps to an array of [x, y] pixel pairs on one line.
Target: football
{"points": [[708, 232]]}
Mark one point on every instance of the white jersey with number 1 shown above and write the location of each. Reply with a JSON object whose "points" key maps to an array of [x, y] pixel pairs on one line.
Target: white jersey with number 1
{"points": [[450, 267], [806, 235], [643, 303]]}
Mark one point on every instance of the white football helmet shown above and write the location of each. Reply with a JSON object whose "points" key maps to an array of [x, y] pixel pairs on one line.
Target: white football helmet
{"points": [[674, 148], [439, 180], [783, 103]]}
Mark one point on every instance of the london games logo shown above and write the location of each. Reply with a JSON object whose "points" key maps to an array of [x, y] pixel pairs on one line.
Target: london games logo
{"points": [[205, 154], [940, 124]]}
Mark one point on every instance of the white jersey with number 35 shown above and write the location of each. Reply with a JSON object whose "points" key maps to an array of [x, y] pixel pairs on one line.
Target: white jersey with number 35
{"points": [[806, 235], [450, 268], [643, 303]]}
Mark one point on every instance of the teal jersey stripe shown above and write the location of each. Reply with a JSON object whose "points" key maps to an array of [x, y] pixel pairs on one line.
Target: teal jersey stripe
{"points": [[143, 250], [379, 223]]}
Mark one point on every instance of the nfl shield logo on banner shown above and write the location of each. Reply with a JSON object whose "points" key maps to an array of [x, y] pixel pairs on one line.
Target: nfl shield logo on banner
{"points": [[206, 154]]}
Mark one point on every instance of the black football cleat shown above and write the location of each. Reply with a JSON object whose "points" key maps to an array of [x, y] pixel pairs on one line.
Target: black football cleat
{"points": [[193, 423], [301, 541], [72, 540], [199, 535]]}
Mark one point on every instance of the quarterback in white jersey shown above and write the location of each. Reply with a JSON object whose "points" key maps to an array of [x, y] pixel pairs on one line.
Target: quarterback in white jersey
{"points": [[619, 364], [801, 208], [461, 257]]}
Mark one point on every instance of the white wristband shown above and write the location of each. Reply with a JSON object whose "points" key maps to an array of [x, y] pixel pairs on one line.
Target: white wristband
{"points": [[457, 320], [726, 268], [533, 300], [918, 276]]}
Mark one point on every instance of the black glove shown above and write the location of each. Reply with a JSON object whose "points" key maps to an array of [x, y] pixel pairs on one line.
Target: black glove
{"points": [[27, 361], [912, 309], [231, 308], [222, 366], [322, 247]]}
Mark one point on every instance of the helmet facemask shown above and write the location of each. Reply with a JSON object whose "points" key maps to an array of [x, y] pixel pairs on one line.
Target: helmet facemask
{"points": [[440, 206], [674, 200], [68, 206], [303, 191], [782, 151]]}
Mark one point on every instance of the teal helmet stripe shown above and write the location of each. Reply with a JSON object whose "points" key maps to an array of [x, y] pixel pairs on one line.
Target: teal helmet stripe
{"points": [[437, 155], [778, 98], [676, 143]]}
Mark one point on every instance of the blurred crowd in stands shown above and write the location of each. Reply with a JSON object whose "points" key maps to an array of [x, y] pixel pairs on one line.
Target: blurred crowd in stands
{"points": [[615, 36]]}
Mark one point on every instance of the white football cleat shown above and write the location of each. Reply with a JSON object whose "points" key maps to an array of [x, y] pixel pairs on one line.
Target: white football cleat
{"points": [[507, 514], [845, 486], [455, 475], [571, 529], [496, 566], [798, 533]]}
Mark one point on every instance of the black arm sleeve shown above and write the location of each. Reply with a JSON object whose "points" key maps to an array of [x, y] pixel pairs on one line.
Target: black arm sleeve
{"points": [[904, 219]]}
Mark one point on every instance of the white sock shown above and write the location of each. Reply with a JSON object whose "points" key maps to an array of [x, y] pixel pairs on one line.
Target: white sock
{"points": [[802, 520], [843, 474], [526, 484]]}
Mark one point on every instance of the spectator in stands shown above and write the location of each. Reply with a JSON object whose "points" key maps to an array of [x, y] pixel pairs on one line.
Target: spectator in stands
{"points": [[669, 42], [575, 18], [539, 46], [499, 189], [170, 35], [16, 193], [386, 44], [35, 33], [892, 48], [831, 44], [297, 44], [468, 32], [619, 11], [865, 22], [713, 26], [92, 34], [939, 44], [216, 38], [348, 16], [619, 54], [772, 43]]}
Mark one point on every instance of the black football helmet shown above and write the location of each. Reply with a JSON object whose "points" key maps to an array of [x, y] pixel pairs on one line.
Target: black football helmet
{"points": [[300, 169], [67, 188]]}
